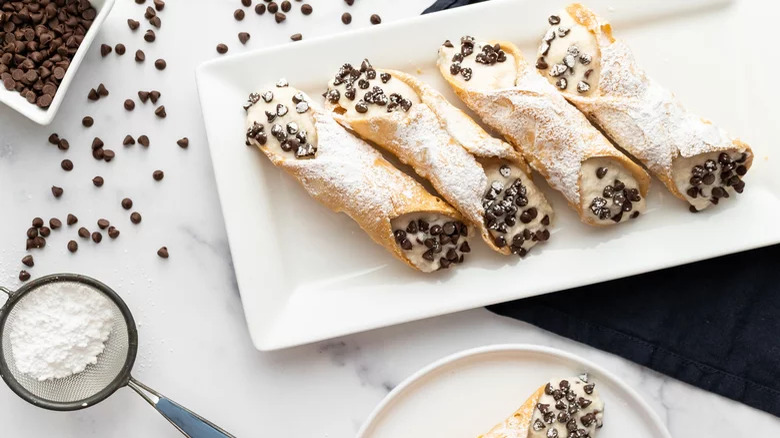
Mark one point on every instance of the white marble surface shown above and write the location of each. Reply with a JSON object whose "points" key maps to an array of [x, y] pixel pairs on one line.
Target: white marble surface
{"points": [[193, 343]]}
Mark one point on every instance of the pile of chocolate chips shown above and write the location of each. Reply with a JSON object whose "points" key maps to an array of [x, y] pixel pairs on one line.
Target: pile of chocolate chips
{"points": [[622, 198], [375, 96], [502, 214], [728, 173], [290, 136], [440, 240], [569, 61], [466, 49], [38, 39], [567, 404]]}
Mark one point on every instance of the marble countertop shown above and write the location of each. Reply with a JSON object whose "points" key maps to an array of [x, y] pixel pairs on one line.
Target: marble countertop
{"points": [[194, 346]]}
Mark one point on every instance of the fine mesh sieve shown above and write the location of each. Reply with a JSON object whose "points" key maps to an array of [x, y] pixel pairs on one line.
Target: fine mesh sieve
{"points": [[98, 381]]}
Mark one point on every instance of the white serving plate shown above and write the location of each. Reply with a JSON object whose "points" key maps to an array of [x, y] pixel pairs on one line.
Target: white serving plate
{"points": [[45, 116], [464, 395], [307, 274]]}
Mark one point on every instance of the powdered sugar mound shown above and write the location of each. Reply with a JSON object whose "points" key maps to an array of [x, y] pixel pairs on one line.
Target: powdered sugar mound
{"points": [[60, 329]]}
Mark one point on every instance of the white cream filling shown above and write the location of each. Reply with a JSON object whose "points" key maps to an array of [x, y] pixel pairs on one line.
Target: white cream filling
{"points": [[390, 87], [293, 121], [560, 55], [483, 77], [536, 200], [565, 404], [682, 172], [592, 187], [416, 254]]}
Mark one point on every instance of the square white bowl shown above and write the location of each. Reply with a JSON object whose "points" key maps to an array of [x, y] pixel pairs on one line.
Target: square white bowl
{"points": [[43, 116]]}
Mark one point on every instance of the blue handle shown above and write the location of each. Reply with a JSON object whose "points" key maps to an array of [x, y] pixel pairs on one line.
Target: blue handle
{"points": [[188, 422]]}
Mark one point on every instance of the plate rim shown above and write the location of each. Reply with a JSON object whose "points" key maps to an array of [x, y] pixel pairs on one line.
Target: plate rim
{"points": [[438, 364]]}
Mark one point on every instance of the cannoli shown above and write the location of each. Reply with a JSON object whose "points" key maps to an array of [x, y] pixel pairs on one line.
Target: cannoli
{"points": [[347, 175], [600, 183], [563, 408], [696, 160], [482, 177]]}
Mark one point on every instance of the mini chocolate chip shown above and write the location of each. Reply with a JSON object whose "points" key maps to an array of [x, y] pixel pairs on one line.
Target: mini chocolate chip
{"points": [[129, 140], [113, 232], [160, 112], [143, 140], [66, 165], [63, 145], [158, 175], [154, 95], [87, 121], [103, 223], [105, 49], [140, 56], [71, 219], [55, 223], [349, 2], [28, 261], [238, 14], [718, 192], [127, 203], [244, 37], [541, 64], [163, 252], [73, 246], [375, 19], [183, 142], [133, 24], [108, 155], [129, 104], [296, 37], [149, 36], [24, 275], [83, 233], [98, 181], [273, 7], [120, 49], [554, 19], [56, 191], [135, 217], [260, 9], [222, 48], [160, 64], [279, 17], [54, 138], [346, 18], [97, 237]]}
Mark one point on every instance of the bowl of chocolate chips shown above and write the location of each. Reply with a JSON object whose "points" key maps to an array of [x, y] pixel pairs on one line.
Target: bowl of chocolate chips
{"points": [[42, 43]]}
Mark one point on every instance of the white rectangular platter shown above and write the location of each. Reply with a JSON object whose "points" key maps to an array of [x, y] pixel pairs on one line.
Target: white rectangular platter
{"points": [[307, 274]]}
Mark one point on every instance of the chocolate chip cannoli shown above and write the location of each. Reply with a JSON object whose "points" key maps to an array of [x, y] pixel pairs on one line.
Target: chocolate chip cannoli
{"points": [[561, 408], [600, 183], [696, 160], [482, 177], [347, 175]]}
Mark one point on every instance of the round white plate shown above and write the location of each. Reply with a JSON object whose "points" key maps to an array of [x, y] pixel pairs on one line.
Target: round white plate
{"points": [[464, 395]]}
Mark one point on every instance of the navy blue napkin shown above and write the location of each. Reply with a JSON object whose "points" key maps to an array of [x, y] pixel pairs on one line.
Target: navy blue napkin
{"points": [[714, 324]]}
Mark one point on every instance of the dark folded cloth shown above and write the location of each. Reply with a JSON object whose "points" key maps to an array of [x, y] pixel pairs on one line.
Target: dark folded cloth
{"points": [[714, 324]]}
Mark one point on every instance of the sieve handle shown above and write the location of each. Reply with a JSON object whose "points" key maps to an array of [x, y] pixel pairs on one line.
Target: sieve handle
{"points": [[6, 290], [187, 422]]}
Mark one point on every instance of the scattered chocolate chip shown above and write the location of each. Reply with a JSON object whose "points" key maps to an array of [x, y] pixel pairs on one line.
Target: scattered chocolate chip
{"points": [[244, 37], [143, 140], [129, 104], [222, 48], [98, 181], [71, 219], [140, 56], [63, 145], [246, 3], [375, 19], [66, 165], [105, 49], [103, 223], [73, 246], [306, 9], [133, 24], [83, 233], [159, 5], [149, 36], [183, 142], [238, 14], [273, 7], [163, 252], [113, 232], [97, 237], [108, 155], [55, 223], [24, 275], [87, 121], [296, 37], [128, 141], [601, 172], [154, 95], [158, 175], [541, 64], [279, 16], [260, 9], [160, 112], [346, 18], [286, 6], [127, 203], [554, 19], [135, 217], [28, 261], [160, 64], [92, 95], [349, 2]]}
